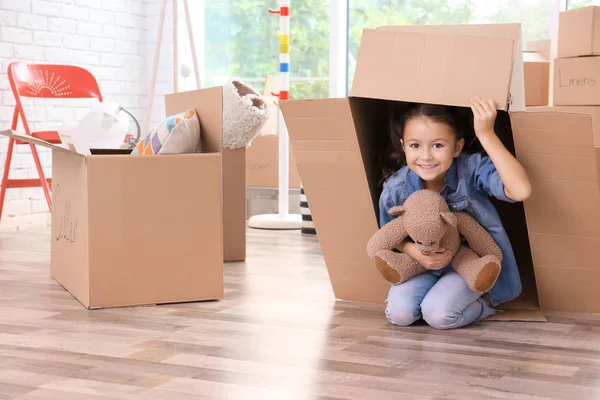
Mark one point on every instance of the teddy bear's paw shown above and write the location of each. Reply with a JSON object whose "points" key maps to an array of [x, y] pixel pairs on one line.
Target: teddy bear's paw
{"points": [[487, 276], [389, 274]]}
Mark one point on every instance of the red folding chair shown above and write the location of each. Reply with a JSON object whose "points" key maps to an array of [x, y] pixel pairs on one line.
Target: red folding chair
{"points": [[42, 81]]}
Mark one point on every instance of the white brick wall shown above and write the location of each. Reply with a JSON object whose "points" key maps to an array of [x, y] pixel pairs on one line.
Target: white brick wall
{"points": [[164, 79], [109, 37]]}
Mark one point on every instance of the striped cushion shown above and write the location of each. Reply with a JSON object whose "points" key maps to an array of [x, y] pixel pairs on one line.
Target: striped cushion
{"points": [[179, 133]]}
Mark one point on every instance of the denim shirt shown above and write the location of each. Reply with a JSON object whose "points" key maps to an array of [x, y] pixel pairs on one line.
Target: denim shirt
{"points": [[469, 181]]}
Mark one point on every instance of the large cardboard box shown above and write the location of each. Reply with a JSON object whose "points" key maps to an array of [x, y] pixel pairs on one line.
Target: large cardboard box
{"points": [[338, 142], [579, 32], [536, 71], [262, 163], [577, 81], [130, 230]]}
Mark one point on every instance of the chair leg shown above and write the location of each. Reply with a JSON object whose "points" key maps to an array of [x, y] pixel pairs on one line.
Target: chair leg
{"points": [[43, 180], [11, 145]]}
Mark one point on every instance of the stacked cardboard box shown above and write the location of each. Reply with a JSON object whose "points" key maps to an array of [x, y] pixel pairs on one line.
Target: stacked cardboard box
{"points": [[536, 71], [577, 66], [566, 263]]}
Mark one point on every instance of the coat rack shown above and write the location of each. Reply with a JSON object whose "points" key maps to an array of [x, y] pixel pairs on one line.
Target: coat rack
{"points": [[283, 220]]}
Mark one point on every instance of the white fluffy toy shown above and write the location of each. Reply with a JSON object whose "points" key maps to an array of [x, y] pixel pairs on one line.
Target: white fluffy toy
{"points": [[245, 112]]}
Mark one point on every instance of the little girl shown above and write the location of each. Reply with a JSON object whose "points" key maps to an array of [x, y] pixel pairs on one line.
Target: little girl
{"points": [[429, 140]]}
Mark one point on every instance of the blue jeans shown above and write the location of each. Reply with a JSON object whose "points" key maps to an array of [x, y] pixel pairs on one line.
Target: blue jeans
{"points": [[444, 302]]}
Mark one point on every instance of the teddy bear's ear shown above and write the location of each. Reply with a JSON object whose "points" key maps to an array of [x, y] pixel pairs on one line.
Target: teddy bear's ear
{"points": [[449, 218], [397, 210]]}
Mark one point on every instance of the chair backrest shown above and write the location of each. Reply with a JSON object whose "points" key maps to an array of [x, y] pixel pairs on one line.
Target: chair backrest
{"points": [[52, 81]]}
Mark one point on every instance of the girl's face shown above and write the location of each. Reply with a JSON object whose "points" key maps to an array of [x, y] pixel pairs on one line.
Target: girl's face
{"points": [[430, 147]]}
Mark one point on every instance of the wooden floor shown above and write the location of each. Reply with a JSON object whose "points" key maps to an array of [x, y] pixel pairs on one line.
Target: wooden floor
{"points": [[278, 334]]}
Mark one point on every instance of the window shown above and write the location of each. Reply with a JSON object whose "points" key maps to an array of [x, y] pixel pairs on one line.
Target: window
{"points": [[240, 41], [533, 14], [571, 4]]}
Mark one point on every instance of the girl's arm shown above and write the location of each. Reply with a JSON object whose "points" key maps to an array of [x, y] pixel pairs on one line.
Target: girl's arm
{"points": [[513, 175]]}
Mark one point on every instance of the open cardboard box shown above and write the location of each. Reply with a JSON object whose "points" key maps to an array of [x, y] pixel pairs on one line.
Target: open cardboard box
{"points": [[132, 230], [338, 142]]}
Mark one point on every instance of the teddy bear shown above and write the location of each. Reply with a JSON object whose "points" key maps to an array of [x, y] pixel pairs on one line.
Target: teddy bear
{"points": [[245, 112], [426, 218]]}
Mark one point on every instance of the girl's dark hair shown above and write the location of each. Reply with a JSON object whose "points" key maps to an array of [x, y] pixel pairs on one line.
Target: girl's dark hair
{"points": [[399, 114]]}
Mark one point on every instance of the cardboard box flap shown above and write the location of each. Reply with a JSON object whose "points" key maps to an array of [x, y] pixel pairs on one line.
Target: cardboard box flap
{"points": [[433, 67], [208, 103], [330, 165], [594, 112], [556, 145], [30, 139], [511, 31]]}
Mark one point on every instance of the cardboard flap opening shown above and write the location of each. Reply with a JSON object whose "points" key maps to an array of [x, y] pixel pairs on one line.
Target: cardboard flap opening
{"points": [[558, 145], [432, 67], [208, 103], [29, 139]]}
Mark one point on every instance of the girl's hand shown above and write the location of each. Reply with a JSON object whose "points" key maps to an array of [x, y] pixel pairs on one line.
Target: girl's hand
{"points": [[433, 261], [484, 116], [436, 260]]}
